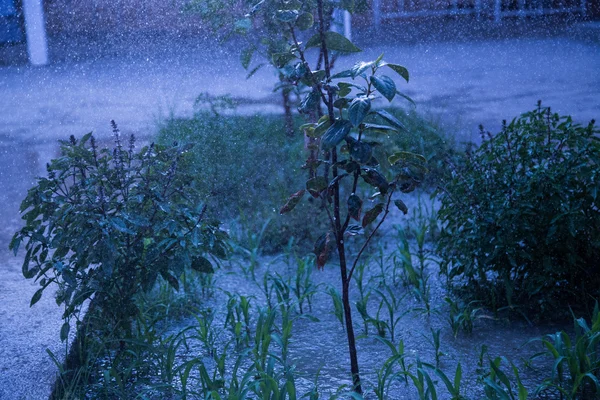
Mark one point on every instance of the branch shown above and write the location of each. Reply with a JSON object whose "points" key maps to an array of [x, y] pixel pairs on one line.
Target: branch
{"points": [[364, 246]]}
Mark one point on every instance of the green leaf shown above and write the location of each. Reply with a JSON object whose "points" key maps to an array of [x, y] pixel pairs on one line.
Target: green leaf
{"points": [[171, 280], [375, 178], [384, 85], [407, 98], [316, 185], [401, 206], [246, 56], [64, 331], [119, 225], [372, 214], [334, 41], [292, 202], [36, 297], [360, 67], [400, 70], [376, 128], [335, 134], [287, 16], [389, 118], [310, 102], [305, 21], [358, 110], [354, 206], [322, 126], [242, 25], [361, 151], [406, 156], [280, 60], [202, 265], [343, 74]]}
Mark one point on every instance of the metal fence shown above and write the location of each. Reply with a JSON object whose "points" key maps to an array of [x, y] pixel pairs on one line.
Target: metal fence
{"points": [[497, 9]]}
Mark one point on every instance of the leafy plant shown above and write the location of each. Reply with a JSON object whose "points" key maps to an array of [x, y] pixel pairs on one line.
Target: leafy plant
{"points": [[520, 218], [105, 225], [578, 360], [304, 288], [343, 145], [392, 304]]}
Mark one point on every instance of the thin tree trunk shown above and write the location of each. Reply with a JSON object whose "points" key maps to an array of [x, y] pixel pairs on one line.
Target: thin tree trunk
{"points": [[287, 111]]}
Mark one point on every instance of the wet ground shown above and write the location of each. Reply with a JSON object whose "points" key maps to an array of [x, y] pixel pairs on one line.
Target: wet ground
{"points": [[140, 82]]}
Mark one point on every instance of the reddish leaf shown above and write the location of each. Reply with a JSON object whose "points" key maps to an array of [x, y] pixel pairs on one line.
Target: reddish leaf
{"points": [[372, 214], [292, 201], [323, 247]]}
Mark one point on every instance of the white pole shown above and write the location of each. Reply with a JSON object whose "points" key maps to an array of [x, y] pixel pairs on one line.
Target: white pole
{"points": [[348, 25], [35, 30]]}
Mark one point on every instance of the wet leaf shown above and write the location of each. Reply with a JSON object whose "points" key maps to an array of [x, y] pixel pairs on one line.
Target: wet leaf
{"points": [[305, 21], [376, 179], [316, 185], [310, 102], [354, 230], [406, 156], [401, 206], [246, 56], [360, 67], [343, 74], [323, 246], [358, 110], [354, 207], [384, 85], [400, 70], [287, 16], [321, 127], [372, 214], [36, 297], [292, 202], [171, 280], [202, 265], [242, 25], [64, 331], [348, 165], [361, 151], [335, 134], [376, 128], [280, 60], [389, 118], [334, 41], [341, 103]]}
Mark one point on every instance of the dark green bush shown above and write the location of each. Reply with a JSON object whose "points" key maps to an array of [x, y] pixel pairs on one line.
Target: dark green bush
{"points": [[521, 217], [105, 225]]}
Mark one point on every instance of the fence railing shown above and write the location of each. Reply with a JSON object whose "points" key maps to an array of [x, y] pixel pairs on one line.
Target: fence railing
{"points": [[497, 9]]}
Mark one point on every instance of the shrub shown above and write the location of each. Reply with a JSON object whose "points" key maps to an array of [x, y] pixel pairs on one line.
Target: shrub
{"points": [[105, 225], [244, 167], [521, 218]]}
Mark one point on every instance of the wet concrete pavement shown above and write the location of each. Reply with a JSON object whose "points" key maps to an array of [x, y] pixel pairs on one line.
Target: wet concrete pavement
{"points": [[461, 83]]}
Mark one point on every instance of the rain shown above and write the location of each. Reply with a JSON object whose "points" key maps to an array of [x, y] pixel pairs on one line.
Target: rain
{"points": [[68, 68]]}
